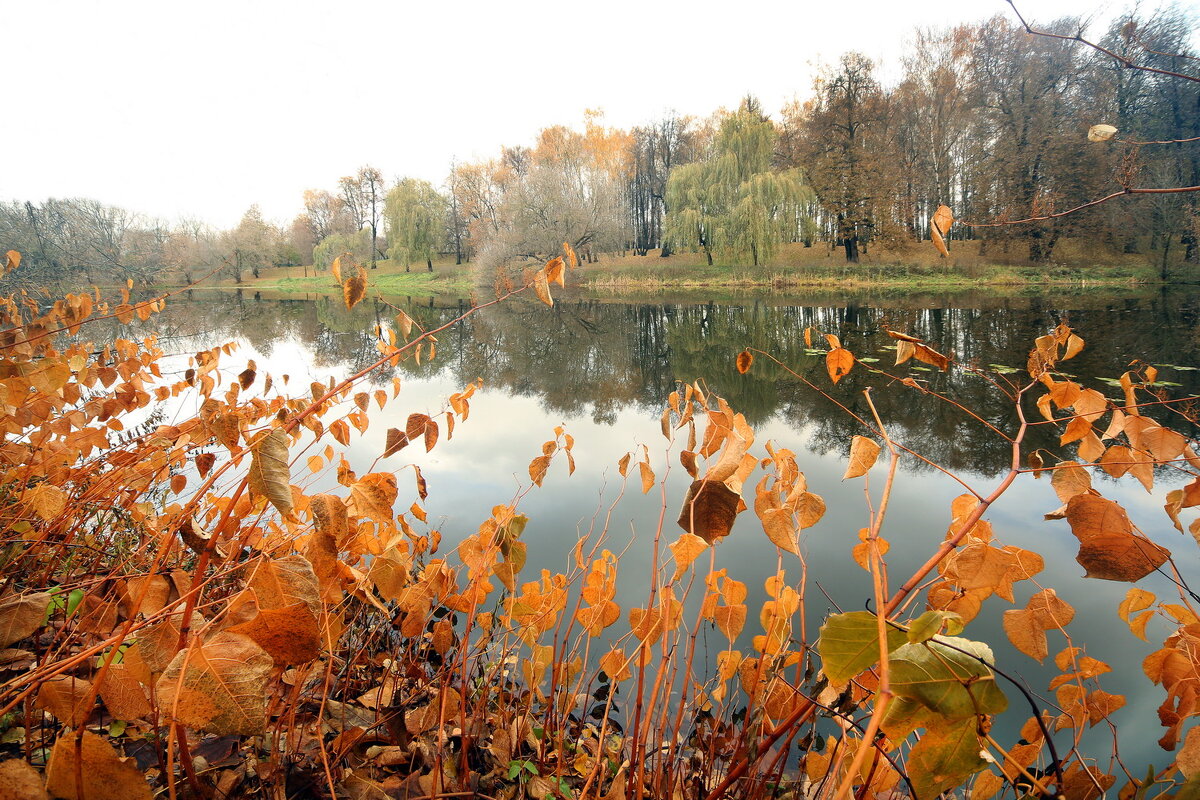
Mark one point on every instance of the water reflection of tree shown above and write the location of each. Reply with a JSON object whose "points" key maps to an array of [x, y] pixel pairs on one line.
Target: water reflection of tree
{"points": [[589, 357]]}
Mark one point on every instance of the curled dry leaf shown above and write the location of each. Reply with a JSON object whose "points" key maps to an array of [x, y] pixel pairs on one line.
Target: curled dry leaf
{"points": [[541, 286], [1101, 133], [556, 271], [354, 289], [939, 227], [863, 453], [269, 473]]}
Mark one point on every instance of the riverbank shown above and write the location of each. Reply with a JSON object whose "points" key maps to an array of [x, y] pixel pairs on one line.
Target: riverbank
{"points": [[794, 269]]}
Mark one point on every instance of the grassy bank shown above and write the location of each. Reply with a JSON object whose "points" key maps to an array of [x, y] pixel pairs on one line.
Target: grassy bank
{"points": [[798, 267], [795, 268], [389, 277]]}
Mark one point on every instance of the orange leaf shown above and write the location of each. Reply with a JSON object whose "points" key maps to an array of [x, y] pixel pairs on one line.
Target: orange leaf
{"points": [[105, 774], [744, 360], [838, 362]]}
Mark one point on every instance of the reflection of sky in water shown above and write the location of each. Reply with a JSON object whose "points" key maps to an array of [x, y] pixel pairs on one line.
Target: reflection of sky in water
{"points": [[486, 462]]}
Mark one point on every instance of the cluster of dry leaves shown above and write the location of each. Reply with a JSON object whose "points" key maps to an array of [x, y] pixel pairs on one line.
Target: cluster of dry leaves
{"points": [[179, 615]]}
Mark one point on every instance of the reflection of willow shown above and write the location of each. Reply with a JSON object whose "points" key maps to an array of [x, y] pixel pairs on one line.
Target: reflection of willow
{"points": [[595, 358]]}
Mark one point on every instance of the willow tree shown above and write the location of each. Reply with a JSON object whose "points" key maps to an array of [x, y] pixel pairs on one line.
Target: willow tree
{"points": [[416, 217], [734, 204]]}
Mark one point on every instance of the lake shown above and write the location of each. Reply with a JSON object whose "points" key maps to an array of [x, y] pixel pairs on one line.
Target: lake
{"points": [[604, 368]]}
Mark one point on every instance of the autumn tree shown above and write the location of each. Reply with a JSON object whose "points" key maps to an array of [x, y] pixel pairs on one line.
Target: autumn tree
{"points": [[363, 195], [848, 108], [416, 218], [249, 246], [569, 188]]}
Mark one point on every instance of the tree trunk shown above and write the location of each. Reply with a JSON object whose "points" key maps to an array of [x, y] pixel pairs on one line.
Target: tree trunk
{"points": [[850, 243], [429, 263]]}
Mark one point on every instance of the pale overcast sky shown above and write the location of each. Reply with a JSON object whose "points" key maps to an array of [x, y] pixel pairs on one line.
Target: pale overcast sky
{"points": [[179, 108]]}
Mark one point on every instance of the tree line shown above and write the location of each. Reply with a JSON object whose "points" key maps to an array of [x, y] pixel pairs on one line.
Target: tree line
{"points": [[983, 117]]}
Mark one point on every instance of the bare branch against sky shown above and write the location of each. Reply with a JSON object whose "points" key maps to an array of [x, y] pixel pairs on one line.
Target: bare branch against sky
{"points": [[204, 108]]}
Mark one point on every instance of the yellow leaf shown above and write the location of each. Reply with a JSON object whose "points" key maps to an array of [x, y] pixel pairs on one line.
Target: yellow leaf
{"points": [[647, 476], [863, 453], [541, 286], [686, 549], [269, 474]]}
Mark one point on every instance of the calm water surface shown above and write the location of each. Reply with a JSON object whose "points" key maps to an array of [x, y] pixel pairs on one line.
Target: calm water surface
{"points": [[604, 370]]}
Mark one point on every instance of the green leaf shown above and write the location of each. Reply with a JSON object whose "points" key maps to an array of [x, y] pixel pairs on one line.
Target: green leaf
{"points": [[850, 643], [1189, 791], [929, 625], [903, 716], [945, 757], [954, 684]]}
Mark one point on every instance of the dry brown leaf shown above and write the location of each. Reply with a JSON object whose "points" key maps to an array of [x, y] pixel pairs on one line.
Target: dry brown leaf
{"points": [[123, 694], [556, 271], [19, 781], [104, 773], [67, 699], [374, 495], [647, 476], [1108, 548], [777, 524], [219, 686], [21, 616], [709, 510], [282, 582], [939, 227], [289, 635], [685, 550], [354, 289], [1070, 479]]}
